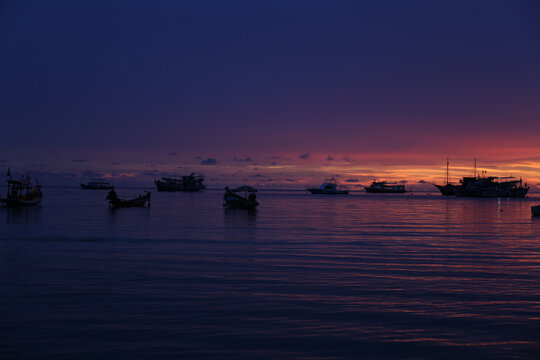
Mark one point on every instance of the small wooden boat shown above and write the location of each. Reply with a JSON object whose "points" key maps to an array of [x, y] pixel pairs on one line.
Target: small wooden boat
{"points": [[535, 210], [21, 192], [116, 202], [233, 199]]}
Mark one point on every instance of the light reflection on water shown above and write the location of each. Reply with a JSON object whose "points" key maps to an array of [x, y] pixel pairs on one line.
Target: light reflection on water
{"points": [[376, 276]]}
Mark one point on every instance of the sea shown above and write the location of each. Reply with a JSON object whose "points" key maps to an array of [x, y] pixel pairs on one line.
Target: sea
{"points": [[358, 276]]}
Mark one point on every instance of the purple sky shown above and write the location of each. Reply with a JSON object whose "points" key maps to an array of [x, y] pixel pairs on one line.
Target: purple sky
{"points": [[134, 90]]}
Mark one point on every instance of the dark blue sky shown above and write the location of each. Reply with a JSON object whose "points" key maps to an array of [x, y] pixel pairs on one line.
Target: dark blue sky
{"points": [[106, 79]]}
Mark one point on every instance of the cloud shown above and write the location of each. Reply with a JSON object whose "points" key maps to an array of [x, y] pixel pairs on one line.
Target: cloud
{"points": [[198, 158], [423, 182], [305, 156], [246, 159], [273, 163], [209, 161], [352, 180], [172, 154], [91, 174], [329, 158], [347, 159], [78, 160]]}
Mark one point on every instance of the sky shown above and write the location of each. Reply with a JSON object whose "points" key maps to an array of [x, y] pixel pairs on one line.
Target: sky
{"points": [[275, 94]]}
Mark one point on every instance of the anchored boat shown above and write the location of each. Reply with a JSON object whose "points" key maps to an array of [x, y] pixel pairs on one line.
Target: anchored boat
{"points": [[329, 187], [191, 182], [242, 197], [21, 192], [492, 187], [116, 202], [385, 187], [97, 184]]}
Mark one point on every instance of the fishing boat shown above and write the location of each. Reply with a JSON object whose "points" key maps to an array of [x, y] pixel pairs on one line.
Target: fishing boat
{"points": [[447, 189], [21, 192], [535, 210], [329, 187], [116, 202], [191, 182], [492, 187], [242, 197], [385, 187], [97, 184]]}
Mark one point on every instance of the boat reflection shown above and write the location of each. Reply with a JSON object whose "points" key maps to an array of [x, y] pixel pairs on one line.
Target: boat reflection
{"points": [[23, 215]]}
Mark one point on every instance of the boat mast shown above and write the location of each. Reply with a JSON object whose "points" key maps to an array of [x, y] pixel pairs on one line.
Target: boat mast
{"points": [[475, 172], [447, 162]]}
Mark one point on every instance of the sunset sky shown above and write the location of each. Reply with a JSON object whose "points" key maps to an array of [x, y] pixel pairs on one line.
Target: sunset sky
{"points": [[277, 94]]}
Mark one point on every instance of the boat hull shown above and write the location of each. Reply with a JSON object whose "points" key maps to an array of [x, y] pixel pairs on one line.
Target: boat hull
{"points": [[162, 186], [447, 189], [115, 202], [384, 191], [21, 202], [128, 203], [96, 187], [535, 210], [491, 193], [240, 204], [329, 192]]}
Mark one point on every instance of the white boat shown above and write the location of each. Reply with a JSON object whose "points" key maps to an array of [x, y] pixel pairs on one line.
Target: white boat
{"points": [[329, 187]]}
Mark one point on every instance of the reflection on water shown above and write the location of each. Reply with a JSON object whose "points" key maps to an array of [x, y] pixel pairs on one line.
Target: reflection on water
{"points": [[304, 276], [23, 215]]}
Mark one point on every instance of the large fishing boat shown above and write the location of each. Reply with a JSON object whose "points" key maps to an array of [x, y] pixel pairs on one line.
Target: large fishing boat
{"points": [[191, 182], [97, 184], [21, 192], [491, 187], [385, 187], [329, 187]]}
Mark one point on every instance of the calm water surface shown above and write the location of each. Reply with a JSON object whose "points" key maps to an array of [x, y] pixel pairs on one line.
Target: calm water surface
{"points": [[304, 277]]}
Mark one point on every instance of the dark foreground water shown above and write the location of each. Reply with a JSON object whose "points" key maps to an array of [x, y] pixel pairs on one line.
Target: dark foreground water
{"points": [[305, 277]]}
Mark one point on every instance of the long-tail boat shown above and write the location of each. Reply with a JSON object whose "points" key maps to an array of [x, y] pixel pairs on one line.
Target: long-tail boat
{"points": [[233, 199], [116, 202]]}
